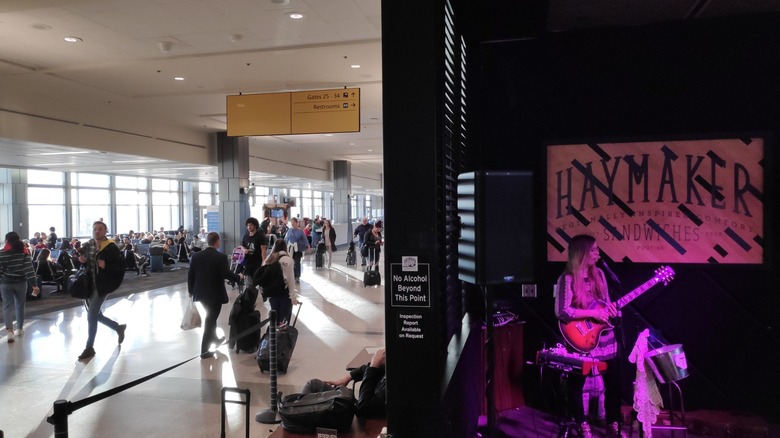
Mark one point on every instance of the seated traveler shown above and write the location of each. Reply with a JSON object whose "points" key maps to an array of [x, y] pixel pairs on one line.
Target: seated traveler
{"points": [[371, 399], [48, 270]]}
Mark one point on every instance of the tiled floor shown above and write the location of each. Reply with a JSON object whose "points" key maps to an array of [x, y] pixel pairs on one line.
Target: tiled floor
{"points": [[338, 318]]}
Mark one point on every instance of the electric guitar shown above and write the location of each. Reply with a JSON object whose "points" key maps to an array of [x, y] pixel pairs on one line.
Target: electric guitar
{"points": [[584, 334]]}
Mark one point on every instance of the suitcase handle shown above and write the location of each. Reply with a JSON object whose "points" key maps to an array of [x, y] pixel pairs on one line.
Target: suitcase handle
{"points": [[297, 313]]}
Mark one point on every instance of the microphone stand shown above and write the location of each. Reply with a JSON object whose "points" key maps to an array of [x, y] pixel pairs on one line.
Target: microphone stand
{"points": [[615, 292]]}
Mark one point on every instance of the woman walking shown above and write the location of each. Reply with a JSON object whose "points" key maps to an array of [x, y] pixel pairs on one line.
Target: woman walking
{"points": [[16, 272], [278, 282], [329, 235]]}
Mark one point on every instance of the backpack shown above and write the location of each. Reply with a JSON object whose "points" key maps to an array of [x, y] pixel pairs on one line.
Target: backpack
{"points": [[271, 279], [304, 413]]}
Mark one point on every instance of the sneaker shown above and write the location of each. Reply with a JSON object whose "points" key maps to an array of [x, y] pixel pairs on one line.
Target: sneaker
{"points": [[10, 336], [88, 353], [297, 281], [120, 331], [20, 332]]}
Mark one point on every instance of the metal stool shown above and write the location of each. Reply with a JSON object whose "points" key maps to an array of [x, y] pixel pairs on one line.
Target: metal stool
{"points": [[245, 402]]}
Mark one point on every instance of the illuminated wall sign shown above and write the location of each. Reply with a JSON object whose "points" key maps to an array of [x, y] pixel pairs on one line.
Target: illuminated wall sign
{"points": [[691, 201], [302, 112]]}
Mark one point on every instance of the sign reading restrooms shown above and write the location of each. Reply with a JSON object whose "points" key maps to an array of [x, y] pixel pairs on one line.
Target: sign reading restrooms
{"points": [[691, 201]]}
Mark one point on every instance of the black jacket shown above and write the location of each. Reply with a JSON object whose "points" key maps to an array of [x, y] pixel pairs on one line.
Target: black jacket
{"points": [[109, 278], [373, 391], [207, 274]]}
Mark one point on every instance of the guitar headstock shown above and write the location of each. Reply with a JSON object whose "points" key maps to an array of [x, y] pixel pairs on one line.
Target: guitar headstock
{"points": [[664, 274]]}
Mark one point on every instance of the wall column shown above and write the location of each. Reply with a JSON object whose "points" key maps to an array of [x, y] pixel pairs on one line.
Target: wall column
{"points": [[233, 171], [13, 202], [342, 189]]}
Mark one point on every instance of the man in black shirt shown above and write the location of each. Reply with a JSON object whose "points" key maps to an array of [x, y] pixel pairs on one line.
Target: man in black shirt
{"points": [[52, 242], [373, 391], [255, 243]]}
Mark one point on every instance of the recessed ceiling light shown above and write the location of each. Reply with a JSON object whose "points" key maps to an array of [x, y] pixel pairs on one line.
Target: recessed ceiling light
{"points": [[355, 66], [328, 135], [295, 15], [178, 78], [73, 39], [41, 26]]}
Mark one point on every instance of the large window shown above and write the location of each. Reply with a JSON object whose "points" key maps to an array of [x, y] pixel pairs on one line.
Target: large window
{"points": [[91, 200], [165, 204], [46, 202], [132, 204]]}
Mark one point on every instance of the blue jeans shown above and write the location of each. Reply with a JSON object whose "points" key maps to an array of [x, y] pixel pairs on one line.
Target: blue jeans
{"points": [[283, 307], [95, 316], [14, 295]]}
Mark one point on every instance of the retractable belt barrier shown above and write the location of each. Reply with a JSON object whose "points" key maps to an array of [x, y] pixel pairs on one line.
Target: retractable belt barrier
{"points": [[63, 408]]}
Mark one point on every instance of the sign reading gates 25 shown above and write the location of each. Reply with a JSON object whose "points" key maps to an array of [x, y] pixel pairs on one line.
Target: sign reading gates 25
{"points": [[687, 201]]}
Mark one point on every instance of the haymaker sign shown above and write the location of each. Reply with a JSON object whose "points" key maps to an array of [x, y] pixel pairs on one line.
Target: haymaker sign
{"points": [[692, 201]]}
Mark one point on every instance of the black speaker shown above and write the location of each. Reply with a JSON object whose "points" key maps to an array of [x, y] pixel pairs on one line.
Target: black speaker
{"points": [[496, 227]]}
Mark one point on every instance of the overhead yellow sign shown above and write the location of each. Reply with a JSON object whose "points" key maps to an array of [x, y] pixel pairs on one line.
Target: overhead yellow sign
{"points": [[301, 112]]}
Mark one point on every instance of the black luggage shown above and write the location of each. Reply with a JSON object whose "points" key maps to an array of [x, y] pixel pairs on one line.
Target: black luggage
{"points": [[319, 258], [286, 337], [304, 413], [372, 277], [243, 316], [351, 255], [248, 343]]}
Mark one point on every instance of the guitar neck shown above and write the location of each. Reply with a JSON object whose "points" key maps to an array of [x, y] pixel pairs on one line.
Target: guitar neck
{"points": [[627, 298]]}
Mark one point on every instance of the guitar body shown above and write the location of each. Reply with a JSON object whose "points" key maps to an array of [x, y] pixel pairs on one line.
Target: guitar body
{"points": [[584, 334]]}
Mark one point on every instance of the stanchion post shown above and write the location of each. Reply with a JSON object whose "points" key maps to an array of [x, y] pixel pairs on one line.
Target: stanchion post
{"points": [[271, 415], [60, 419]]}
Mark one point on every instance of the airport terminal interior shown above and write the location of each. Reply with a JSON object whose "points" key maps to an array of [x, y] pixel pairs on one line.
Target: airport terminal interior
{"points": [[483, 135]]}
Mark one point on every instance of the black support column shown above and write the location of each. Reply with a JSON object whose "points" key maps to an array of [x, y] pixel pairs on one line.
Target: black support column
{"points": [[412, 50]]}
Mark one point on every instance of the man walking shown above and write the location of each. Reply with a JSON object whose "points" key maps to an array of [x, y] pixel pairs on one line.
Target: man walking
{"points": [[106, 270], [206, 283], [360, 232]]}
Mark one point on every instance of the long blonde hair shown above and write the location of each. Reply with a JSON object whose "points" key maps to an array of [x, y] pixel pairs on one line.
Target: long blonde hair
{"points": [[579, 249]]}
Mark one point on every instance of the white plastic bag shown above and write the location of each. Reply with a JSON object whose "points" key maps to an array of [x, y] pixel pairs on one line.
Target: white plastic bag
{"points": [[191, 318]]}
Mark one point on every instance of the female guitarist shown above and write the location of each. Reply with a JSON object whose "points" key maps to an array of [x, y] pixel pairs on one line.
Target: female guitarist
{"points": [[580, 285]]}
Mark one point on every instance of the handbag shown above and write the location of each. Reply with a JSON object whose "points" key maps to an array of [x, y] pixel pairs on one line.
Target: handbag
{"points": [[303, 413], [78, 284], [191, 317]]}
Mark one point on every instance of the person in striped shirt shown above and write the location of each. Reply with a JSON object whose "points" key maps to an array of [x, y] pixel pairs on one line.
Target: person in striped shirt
{"points": [[16, 272]]}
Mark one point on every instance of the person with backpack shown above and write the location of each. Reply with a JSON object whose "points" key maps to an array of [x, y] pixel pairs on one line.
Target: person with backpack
{"points": [[106, 270], [276, 277], [373, 390], [16, 273]]}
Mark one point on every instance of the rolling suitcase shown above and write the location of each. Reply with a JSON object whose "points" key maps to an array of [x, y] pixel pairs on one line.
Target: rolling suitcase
{"points": [[372, 277], [286, 338], [249, 342], [319, 258], [351, 255]]}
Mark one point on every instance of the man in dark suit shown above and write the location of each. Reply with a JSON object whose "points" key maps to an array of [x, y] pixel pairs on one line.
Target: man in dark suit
{"points": [[206, 283]]}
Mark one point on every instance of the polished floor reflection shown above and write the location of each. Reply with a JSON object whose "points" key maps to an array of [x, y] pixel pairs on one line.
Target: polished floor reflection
{"points": [[338, 319]]}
